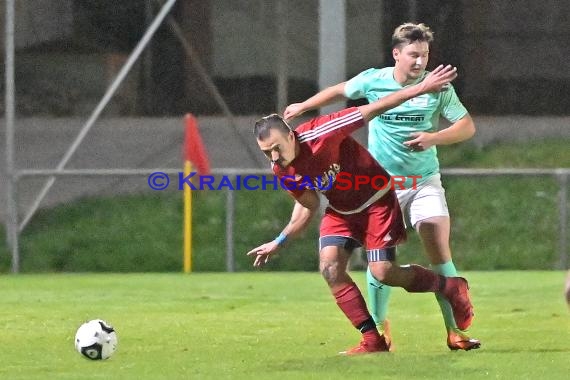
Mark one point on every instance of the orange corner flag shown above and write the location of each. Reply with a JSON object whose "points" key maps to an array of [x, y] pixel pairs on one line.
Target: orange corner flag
{"points": [[194, 149], [194, 156]]}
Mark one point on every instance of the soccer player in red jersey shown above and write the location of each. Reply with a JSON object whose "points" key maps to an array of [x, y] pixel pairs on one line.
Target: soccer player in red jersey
{"points": [[361, 212], [404, 141]]}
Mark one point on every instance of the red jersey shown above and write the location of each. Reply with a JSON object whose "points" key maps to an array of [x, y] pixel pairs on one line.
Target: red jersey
{"points": [[334, 163]]}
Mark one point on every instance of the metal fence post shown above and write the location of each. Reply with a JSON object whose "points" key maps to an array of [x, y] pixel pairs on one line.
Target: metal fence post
{"points": [[10, 111], [230, 210], [563, 218]]}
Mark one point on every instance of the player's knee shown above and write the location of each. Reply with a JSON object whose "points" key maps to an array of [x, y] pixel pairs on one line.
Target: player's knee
{"points": [[330, 271], [381, 270], [379, 276]]}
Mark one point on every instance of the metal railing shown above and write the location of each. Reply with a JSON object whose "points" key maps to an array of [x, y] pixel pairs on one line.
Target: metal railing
{"points": [[560, 174]]}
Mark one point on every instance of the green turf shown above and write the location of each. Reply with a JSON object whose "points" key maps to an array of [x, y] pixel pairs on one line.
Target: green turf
{"points": [[540, 153], [273, 326]]}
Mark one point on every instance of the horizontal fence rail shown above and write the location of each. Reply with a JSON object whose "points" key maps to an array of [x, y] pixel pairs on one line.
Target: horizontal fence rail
{"points": [[238, 171], [129, 172], [561, 174]]}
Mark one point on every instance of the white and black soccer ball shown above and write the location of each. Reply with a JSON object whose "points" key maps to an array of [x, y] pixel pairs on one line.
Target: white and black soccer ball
{"points": [[96, 340]]}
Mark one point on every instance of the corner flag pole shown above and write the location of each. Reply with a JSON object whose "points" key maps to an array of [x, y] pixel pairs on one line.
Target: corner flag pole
{"points": [[195, 156], [187, 220]]}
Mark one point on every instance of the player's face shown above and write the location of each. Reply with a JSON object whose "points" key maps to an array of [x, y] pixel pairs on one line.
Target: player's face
{"points": [[411, 61], [278, 147]]}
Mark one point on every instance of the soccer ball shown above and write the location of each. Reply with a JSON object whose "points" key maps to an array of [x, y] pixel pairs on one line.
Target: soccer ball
{"points": [[96, 340]]}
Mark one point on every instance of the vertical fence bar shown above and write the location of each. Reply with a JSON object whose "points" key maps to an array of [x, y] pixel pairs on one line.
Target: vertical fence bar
{"points": [[563, 219], [282, 51], [230, 211], [187, 196], [413, 11], [100, 107], [11, 183], [332, 46]]}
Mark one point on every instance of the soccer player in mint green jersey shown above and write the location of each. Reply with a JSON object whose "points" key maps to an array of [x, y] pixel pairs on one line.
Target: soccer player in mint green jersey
{"points": [[404, 141]]}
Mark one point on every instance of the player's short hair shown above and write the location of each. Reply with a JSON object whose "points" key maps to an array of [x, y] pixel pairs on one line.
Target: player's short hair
{"points": [[409, 33], [265, 124]]}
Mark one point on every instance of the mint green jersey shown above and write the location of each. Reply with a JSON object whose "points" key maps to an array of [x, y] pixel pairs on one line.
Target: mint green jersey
{"points": [[388, 131]]}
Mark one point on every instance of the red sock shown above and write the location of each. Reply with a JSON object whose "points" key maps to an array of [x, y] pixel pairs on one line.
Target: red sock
{"points": [[350, 301], [425, 280]]}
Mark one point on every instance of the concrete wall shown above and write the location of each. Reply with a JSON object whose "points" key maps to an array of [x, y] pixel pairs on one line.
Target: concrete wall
{"points": [[254, 21], [253, 53], [513, 55], [39, 21]]}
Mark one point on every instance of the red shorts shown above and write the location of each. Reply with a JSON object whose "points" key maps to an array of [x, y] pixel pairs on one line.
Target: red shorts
{"points": [[379, 226]]}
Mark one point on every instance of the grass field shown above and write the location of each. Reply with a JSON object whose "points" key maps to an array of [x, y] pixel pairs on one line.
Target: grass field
{"points": [[273, 326]]}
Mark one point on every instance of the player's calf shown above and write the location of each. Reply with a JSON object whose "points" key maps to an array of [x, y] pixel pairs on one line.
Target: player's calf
{"points": [[456, 290]]}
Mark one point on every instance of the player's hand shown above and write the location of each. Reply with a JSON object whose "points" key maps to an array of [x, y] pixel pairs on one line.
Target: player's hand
{"points": [[293, 110], [439, 78], [263, 253], [420, 141]]}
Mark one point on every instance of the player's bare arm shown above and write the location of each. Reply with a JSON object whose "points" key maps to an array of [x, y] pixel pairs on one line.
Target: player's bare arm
{"points": [[305, 207], [325, 97], [433, 82], [461, 130]]}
